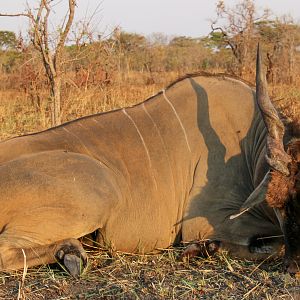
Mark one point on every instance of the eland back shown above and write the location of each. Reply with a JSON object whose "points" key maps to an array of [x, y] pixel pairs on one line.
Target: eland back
{"points": [[190, 163]]}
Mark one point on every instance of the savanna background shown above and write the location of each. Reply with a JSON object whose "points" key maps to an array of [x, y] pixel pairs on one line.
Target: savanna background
{"points": [[98, 72]]}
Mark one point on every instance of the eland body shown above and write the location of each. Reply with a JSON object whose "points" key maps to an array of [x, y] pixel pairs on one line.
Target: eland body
{"points": [[191, 163]]}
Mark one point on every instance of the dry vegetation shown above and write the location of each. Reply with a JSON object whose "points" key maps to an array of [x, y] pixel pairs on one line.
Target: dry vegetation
{"points": [[121, 71], [19, 115], [123, 276]]}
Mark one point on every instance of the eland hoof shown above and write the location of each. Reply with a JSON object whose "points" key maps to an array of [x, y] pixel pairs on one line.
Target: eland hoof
{"points": [[202, 249], [72, 256]]}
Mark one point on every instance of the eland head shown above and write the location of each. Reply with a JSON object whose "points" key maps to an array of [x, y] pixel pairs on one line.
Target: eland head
{"points": [[283, 189]]}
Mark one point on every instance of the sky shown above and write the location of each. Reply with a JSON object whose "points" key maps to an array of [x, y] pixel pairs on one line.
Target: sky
{"points": [[171, 17]]}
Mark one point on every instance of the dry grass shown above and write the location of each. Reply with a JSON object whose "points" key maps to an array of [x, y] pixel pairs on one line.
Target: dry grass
{"points": [[18, 115], [161, 276], [124, 276]]}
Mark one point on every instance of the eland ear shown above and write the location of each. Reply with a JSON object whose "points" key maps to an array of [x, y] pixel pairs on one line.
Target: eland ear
{"points": [[256, 197]]}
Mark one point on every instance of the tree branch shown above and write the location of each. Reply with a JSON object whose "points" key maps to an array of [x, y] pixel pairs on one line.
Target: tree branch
{"points": [[16, 15], [64, 33], [232, 45]]}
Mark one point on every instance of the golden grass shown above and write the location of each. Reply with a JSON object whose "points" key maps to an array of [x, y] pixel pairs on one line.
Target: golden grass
{"points": [[18, 115], [124, 276], [163, 276]]}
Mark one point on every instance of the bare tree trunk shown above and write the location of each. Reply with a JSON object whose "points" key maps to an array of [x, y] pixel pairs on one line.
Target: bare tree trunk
{"points": [[56, 101], [291, 62]]}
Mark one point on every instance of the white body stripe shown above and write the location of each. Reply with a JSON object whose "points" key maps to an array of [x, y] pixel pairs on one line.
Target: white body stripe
{"points": [[175, 112], [163, 143], [143, 142], [80, 141]]}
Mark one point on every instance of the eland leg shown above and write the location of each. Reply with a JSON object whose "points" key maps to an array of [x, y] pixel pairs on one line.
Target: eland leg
{"points": [[69, 253], [258, 249]]}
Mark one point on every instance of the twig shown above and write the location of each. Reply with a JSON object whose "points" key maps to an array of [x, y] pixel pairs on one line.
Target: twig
{"points": [[22, 283], [249, 292]]}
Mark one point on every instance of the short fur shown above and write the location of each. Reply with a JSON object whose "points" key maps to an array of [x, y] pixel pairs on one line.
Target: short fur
{"points": [[280, 186], [278, 189], [172, 168]]}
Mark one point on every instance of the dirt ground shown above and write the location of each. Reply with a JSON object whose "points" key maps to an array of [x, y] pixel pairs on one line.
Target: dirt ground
{"points": [[163, 276]]}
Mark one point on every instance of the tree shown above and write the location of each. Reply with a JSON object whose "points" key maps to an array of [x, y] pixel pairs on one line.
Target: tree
{"points": [[183, 41], [51, 56], [238, 33], [8, 40], [130, 49], [9, 53], [280, 37]]}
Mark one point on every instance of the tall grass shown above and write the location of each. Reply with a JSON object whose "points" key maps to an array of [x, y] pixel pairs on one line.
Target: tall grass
{"points": [[20, 115]]}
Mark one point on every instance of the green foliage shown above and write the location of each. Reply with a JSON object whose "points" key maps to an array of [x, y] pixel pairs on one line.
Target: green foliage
{"points": [[215, 40], [268, 30], [8, 51], [186, 55], [183, 41], [131, 41], [9, 60], [8, 40], [275, 31]]}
